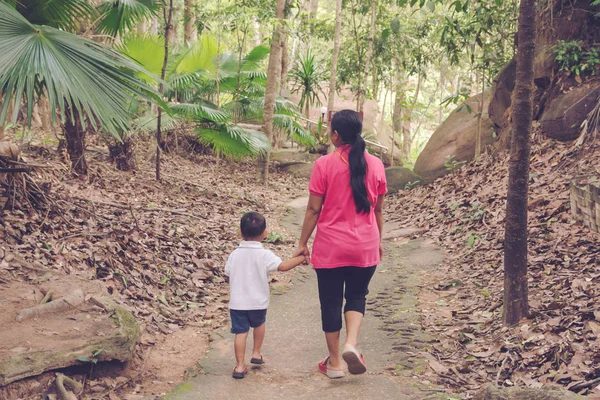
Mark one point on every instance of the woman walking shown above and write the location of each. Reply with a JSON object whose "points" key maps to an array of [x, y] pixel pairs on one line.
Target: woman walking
{"points": [[346, 188]]}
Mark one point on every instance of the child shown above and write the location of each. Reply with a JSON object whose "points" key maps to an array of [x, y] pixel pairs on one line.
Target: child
{"points": [[248, 269]]}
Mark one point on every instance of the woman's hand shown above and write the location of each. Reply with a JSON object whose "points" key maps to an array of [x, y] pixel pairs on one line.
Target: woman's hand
{"points": [[303, 251], [381, 250]]}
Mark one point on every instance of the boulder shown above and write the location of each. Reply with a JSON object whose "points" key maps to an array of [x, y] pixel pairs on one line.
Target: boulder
{"points": [[502, 96], [300, 170], [292, 156], [398, 177], [57, 340], [492, 392], [562, 118], [9, 150], [455, 138]]}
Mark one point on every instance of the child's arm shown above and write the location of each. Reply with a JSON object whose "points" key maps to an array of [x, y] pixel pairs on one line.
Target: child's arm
{"points": [[291, 263]]}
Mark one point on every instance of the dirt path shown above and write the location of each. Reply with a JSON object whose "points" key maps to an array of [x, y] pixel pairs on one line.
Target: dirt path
{"points": [[391, 337]]}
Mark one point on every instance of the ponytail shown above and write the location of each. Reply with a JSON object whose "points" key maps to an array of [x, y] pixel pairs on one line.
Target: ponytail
{"points": [[358, 170], [348, 125]]}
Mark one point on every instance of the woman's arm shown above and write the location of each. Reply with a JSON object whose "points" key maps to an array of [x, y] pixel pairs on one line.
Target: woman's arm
{"points": [[379, 218], [313, 209]]}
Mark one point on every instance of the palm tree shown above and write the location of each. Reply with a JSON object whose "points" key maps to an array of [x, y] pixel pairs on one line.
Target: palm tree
{"points": [[87, 83], [193, 90], [307, 77]]}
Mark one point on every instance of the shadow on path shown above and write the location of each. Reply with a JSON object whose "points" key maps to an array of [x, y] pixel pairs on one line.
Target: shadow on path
{"points": [[391, 338]]}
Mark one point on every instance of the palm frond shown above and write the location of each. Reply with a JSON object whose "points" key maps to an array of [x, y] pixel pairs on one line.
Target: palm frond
{"points": [[294, 130], [147, 123], [197, 56], [199, 112], [119, 16], [67, 15], [146, 50], [233, 141], [77, 74]]}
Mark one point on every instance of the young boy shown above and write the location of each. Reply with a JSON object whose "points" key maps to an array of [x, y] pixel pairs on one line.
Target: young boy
{"points": [[248, 269]]}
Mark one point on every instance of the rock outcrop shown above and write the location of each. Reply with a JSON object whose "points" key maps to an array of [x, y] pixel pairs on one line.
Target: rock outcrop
{"points": [[455, 138], [562, 118], [398, 177]]}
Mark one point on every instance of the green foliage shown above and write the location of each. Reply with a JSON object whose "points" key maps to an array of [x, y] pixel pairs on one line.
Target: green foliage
{"points": [[233, 141], [451, 164], [307, 76], [472, 238], [120, 16], [575, 58], [77, 74], [411, 185], [275, 238], [93, 358], [62, 14], [476, 213]]}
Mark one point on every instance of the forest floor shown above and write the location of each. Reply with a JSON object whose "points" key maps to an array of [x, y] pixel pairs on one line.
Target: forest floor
{"points": [[158, 248], [461, 305]]}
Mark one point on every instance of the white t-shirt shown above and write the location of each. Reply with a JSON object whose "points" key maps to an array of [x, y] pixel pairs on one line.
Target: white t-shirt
{"points": [[248, 269]]}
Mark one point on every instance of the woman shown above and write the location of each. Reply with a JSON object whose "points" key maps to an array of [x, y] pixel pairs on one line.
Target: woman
{"points": [[346, 188]]}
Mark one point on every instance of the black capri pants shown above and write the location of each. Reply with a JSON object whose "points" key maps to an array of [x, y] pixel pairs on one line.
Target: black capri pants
{"points": [[337, 283]]}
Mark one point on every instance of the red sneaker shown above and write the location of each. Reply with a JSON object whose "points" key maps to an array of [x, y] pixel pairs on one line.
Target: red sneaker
{"points": [[355, 360], [330, 373]]}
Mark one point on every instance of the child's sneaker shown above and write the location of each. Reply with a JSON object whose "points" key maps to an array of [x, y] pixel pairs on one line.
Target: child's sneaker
{"points": [[356, 362]]}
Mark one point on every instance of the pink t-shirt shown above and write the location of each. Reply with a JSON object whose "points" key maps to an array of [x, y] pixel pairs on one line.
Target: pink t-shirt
{"points": [[345, 237]]}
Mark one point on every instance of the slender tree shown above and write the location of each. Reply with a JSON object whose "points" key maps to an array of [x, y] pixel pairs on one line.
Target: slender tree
{"points": [[167, 15], [516, 305], [336, 52], [189, 18], [273, 72], [363, 93]]}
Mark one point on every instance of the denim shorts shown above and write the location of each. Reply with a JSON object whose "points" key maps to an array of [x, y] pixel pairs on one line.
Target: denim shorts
{"points": [[243, 320]]}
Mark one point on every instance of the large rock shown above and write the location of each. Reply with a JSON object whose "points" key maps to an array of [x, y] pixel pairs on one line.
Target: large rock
{"points": [[563, 116], [455, 138], [57, 340], [502, 96], [292, 156], [398, 177], [492, 392], [9, 150], [300, 170]]}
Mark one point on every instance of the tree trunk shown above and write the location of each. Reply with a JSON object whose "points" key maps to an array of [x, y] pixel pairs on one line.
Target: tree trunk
{"points": [[375, 83], [314, 7], [174, 29], [142, 27], [336, 52], [122, 154], [285, 60], [154, 26], [273, 73], [442, 89], [516, 304], [168, 16], [480, 117], [75, 140], [363, 92], [189, 18]]}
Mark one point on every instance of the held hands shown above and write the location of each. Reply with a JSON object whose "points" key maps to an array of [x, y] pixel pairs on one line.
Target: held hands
{"points": [[303, 251]]}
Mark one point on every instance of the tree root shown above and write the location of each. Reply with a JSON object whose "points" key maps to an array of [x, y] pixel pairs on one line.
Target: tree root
{"points": [[47, 298], [63, 393], [64, 303]]}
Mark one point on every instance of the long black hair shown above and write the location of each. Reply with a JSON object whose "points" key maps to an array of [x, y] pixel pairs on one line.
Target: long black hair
{"points": [[348, 125]]}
